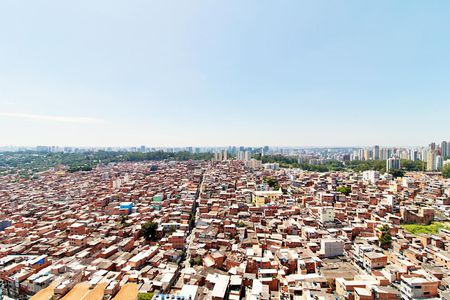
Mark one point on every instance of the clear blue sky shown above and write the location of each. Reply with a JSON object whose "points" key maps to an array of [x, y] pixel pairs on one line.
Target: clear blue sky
{"points": [[178, 73]]}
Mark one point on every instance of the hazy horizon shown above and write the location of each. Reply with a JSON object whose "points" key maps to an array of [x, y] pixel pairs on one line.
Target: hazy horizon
{"points": [[224, 73], [218, 146]]}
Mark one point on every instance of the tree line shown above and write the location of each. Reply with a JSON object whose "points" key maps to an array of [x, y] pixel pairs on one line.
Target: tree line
{"points": [[336, 165], [85, 161]]}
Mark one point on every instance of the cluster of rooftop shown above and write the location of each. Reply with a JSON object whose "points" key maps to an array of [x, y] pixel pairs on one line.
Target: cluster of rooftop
{"points": [[224, 230]]}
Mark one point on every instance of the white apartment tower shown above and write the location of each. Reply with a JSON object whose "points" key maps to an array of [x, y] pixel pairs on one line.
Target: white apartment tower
{"points": [[392, 163]]}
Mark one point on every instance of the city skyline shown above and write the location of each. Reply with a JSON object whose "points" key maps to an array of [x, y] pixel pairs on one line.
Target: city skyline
{"points": [[222, 146], [176, 74]]}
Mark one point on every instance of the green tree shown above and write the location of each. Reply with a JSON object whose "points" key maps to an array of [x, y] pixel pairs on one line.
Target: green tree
{"points": [[273, 183], [171, 230], [37, 161], [346, 190], [145, 296], [397, 173], [411, 165], [191, 219], [385, 238], [446, 171], [148, 230], [196, 261], [240, 224]]}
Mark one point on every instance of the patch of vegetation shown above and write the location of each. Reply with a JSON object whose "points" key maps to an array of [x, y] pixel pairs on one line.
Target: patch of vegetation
{"points": [[171, 230], [335, 165], [346, 190], [240, 224], [123, 220], [446, 171], [412, 165], [78, 168], [272, 182], [191, 219], [148, 231], [433, 228], [397, 173], [292, 162], [35, 161], [196, 261], [385, 238], [145, 296]]}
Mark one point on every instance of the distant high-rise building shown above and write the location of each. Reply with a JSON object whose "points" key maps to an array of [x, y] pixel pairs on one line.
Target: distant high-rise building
{"points": [[376, 152], [439, 163], [243, 155], [218, 156], [424, 154], [253, 163], [448, 149], [247, 155], [345, 157], [404, 154], [361, 154], [42, 149], [392, 163], [390, 152], [225, 154], [384, 153], [433, 146], [413, 155], [431, 160], [239, 154], [366, 154], [444, 149]]}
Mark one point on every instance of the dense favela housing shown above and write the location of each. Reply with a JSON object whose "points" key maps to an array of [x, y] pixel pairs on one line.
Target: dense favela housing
{"points": [[223, 229]]}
